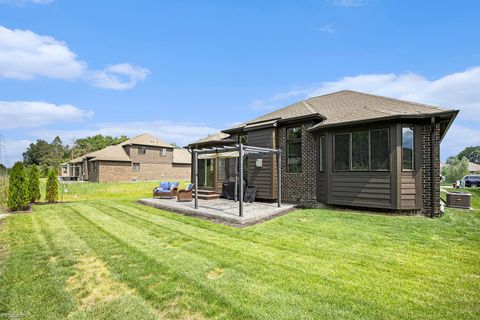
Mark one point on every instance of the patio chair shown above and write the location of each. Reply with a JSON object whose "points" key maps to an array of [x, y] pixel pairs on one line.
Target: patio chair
{"points": [[185, 195], [166, 190]]}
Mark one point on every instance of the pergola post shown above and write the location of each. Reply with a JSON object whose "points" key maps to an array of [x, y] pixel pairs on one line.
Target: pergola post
{"points": [[195, 162], [240, 156], [235, 192], [279, 177]]}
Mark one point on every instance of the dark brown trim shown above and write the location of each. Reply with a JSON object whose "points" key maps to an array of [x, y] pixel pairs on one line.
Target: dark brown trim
{"points": [[387, 118]]}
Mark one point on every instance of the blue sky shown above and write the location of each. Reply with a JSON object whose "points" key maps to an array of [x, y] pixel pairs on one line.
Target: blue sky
{"points": [[184, 69]]}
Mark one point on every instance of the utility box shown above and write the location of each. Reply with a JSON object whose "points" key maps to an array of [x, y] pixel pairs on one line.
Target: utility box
{"points": [[461, 200]]}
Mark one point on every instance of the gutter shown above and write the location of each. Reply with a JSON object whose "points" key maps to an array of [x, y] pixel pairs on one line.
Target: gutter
{"points": [[394, 117]]}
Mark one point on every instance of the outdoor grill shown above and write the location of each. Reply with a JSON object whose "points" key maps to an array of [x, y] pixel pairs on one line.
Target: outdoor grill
{"points": [[460, 200]]}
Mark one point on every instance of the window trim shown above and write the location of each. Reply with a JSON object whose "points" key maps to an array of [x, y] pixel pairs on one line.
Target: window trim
{"points": [[296, 140], [387, 129], [133, 166], [411, 127], [163, 152], [321, 153]]}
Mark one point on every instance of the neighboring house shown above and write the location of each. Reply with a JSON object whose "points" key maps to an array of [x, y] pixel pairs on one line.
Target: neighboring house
{"points": [[345, 148], [143, 157], [473, 168]]}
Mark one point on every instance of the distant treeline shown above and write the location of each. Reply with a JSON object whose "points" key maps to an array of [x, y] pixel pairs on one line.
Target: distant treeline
{"points": [[50, 155]]}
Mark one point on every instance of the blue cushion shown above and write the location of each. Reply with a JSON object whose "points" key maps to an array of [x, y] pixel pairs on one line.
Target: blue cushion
{"points": [[189, 187], [173, 184], [162, 191], [165, 185]]}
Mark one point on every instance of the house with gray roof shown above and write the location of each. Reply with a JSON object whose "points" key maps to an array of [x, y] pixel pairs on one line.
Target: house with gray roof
{"points": [[144, 157], [345, 148]]}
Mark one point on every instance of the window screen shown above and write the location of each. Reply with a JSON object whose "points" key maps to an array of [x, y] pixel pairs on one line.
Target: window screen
{"points": [[294, 150], [342, 151], [360, 151], [379, 149], [407, 149]]}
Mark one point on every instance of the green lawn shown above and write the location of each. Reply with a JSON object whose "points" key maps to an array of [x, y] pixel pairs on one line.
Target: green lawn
{"points": [[112, 258]]}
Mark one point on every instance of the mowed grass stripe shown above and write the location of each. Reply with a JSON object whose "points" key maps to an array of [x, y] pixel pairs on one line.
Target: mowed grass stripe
{"points": [[176, 283], [29, 263], [414, 265], [238, 289], [295, 283]]}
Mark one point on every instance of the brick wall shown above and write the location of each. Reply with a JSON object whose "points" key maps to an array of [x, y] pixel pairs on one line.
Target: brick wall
{"points": [[301, 187], [111, 171], [426, 170]]}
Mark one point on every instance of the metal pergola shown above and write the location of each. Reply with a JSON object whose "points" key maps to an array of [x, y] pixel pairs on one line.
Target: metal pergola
{"points": [[238, 151]]}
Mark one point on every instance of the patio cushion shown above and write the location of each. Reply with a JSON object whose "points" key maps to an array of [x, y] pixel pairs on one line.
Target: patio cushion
{"points": [[189, 187], [165, 185], [158, 190], [173, 185]]}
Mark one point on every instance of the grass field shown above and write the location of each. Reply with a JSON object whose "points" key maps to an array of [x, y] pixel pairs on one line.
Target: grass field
{"points": [[104, 256]]}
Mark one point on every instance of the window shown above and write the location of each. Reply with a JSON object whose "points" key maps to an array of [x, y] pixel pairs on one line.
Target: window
{"points": [[379, 150], [142, 150], [163, 152], [64, 170], [407, 149], [342, 151], [243, 139], [95, 163], [136, 166], [221, 169], [294, 150], [360, 151], [321, 149]]}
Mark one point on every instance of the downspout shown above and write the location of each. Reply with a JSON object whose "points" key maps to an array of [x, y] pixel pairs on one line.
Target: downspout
{"points": [[432, 165]]}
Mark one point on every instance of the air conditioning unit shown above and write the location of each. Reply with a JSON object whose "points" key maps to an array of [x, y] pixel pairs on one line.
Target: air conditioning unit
{"points": [[461, 200]]}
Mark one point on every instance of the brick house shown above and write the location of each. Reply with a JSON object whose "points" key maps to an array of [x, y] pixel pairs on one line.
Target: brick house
{"points": [[143, 157], [345, 148]]}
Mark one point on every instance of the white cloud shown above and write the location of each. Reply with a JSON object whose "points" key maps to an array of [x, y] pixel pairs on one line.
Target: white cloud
{"points": [[27, 114], [182, 133], [348, 3], [119, 76], [12, 151], [327, 28], [25, 55], [457, 91]]}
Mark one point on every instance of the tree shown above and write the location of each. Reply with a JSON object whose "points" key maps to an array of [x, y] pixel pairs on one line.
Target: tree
{"points": [[471, 153], [94, 143], [17, 189], [3, 169], [52, 186], [33, 184], [455, 169], [36, 152]]}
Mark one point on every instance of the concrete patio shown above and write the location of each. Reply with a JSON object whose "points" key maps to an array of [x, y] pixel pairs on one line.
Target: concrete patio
{"points": [[222, 210]]}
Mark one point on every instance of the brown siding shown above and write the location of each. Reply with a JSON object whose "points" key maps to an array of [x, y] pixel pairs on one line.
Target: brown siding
{"points": [[408, 190], [263, 177], [364, 189]]}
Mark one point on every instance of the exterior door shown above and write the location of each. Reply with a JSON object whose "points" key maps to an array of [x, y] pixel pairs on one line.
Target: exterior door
{"points": [[206, 173]]}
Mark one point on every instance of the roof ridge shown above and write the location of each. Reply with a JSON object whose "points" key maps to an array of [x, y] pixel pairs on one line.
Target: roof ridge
{"points": [[395, 99]]}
